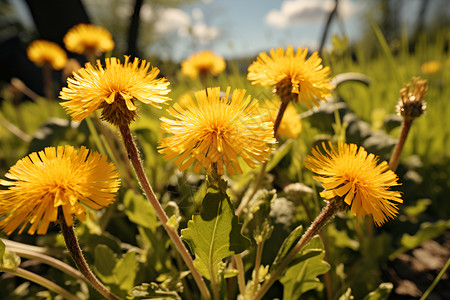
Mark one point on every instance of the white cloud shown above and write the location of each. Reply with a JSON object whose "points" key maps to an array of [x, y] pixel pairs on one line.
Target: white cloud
{"points": [[171, 19], [146, 13], [204, 34], [294, 12], [197, 14]]}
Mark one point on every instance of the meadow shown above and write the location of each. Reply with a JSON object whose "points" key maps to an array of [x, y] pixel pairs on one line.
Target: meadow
{"points": [[130, 252]]}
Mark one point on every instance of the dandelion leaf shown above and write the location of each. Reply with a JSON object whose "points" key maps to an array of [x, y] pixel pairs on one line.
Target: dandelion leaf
{"points": [[215, 233], [302, 275], [381, 293], [139, 211], [2, 251], [287, 245], [152, 291], [427, 231], [118, 273]]}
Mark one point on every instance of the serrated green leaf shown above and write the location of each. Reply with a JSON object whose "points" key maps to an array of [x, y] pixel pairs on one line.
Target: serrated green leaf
{"points": [[426, 232], [413, 211], [302, 276], [287, 245], [151, 291], [125, 271], [347, 295], [139, 211], [105, 261], [10, 260], [258, 214], [215, 233], [341, 238], [381, 293]]}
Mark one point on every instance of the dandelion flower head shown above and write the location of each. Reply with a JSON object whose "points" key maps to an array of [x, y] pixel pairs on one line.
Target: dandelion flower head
{"points": [[215, 131], [202, 63], [45, 52], [114, 88], [430, 67], [88, 39], [63, 177], [295, 78], [354, 176], [290, 125]]}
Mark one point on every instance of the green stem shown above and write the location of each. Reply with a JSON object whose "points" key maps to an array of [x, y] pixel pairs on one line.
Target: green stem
{"points": [[41, 281], [95, 136], [325, 215], [56, 263], [179, 245], [259, 249], [436, 280], [48, 84], [406, 126], [241, 273], [15, 130], [36, 249], [75, 251]]}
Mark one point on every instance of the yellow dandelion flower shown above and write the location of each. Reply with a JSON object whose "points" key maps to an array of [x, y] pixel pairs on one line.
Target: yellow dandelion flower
{"points": [[88, 39], [216, 131], [430, 67], [45, 52], [54, 178], [411, 104], [295, 78], [202, 63], [113, 88], [290, 125], [354, 176]]}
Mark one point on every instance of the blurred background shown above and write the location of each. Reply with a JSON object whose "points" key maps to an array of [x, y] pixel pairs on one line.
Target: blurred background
{"points": [[388, 41]]}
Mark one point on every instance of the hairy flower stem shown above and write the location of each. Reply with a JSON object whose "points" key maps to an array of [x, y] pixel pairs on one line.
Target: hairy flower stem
{"points": [[75, 251], [395, 158], [279, 117], [181, 248], [25, 274], [325, 215]]}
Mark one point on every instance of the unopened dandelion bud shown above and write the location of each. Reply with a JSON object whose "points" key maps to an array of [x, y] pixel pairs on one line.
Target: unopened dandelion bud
{"points": [[411, 104]]}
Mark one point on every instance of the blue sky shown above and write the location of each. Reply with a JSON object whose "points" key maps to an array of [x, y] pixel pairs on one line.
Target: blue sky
{"points": [[240, 28], [246, 27]]}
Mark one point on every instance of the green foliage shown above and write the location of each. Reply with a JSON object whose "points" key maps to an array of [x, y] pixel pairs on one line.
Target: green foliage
{"points": [[9, 260], [126, 243], [214, 234], [139, 211], [151, 291], [302, 276], [2, 251], [287, 245], [381, 293], [426, 232], [117, 273]]}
